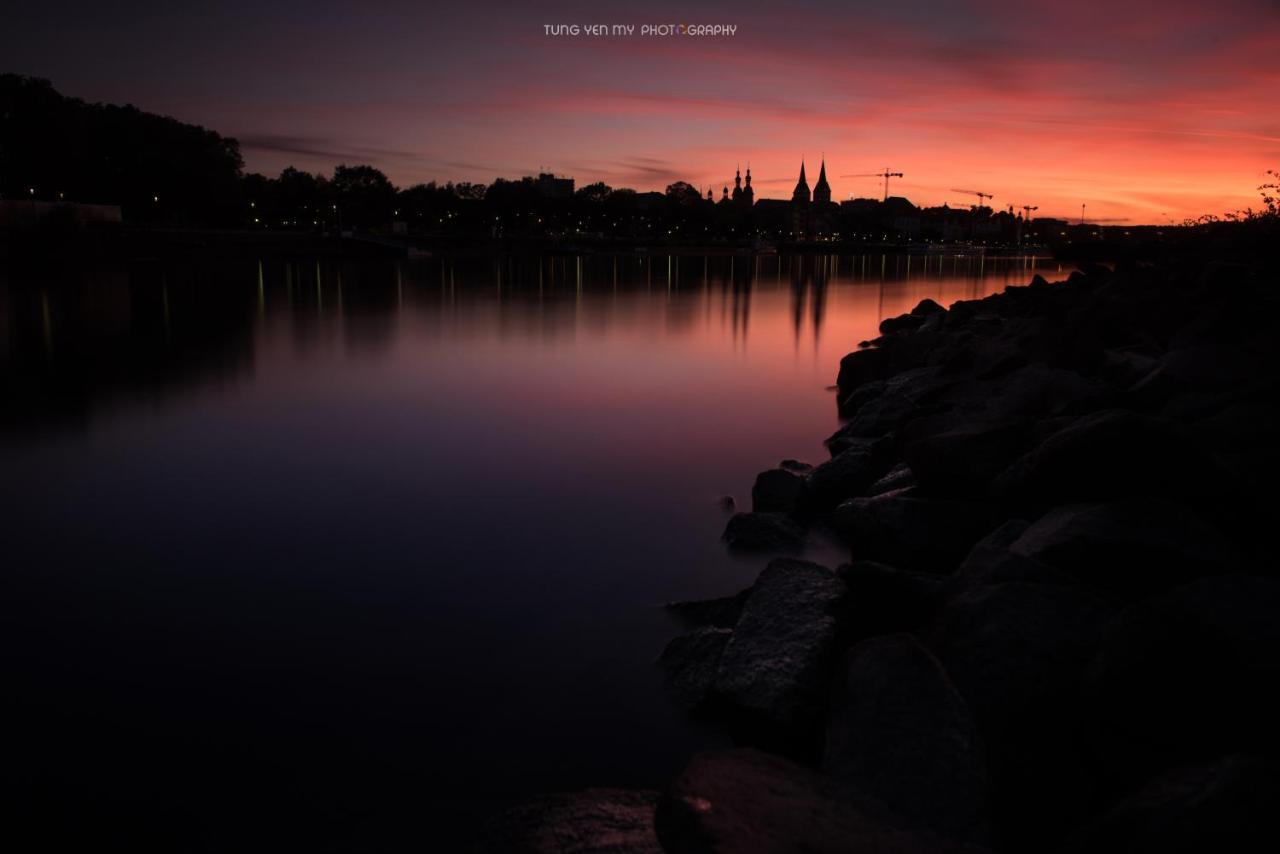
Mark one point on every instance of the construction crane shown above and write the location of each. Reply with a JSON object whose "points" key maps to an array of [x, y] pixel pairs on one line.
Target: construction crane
{"points": [[886, 175], [981, 195], [1026, 219]]}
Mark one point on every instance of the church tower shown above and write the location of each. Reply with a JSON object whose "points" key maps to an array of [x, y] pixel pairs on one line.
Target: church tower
{"points": [[748, 194], [821, 190], [801, 194], [800, 207], [737, 185]]}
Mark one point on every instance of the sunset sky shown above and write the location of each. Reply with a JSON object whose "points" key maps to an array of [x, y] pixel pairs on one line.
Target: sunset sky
{"points": [[1148, 112]]}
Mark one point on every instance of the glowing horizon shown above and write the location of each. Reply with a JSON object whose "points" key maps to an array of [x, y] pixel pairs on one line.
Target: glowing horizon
{"points": [[1150, 113]]}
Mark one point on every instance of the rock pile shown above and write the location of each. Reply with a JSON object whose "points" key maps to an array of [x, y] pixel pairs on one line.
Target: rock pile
{"points": [[1061, 622], [1059, 629]]}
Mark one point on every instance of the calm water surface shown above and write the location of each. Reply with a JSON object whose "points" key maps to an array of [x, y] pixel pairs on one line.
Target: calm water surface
{"points": [[343, 555]]}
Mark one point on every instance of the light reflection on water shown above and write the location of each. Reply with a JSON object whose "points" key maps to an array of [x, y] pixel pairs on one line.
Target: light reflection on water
{"points": [[377, 543]]}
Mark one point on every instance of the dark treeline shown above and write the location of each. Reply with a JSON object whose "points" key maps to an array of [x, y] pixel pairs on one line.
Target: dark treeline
{"points": [[55, 148], [163, 172]]}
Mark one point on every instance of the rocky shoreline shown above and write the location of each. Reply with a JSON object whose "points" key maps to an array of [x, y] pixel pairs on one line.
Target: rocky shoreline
{"points": [[1058, 629]]}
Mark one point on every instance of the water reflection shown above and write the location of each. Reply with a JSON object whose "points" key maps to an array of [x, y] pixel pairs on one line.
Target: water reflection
{"points": [[87, 342], [387, 537]]}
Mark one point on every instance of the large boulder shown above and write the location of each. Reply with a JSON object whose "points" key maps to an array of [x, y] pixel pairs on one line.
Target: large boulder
{"points": [[744, 801], [1129, 546], [1225, 805], [1188, 674], [992, 562], [884, 599], [774, 668], [1111, 454], [859, 367], [763, 532], [914, 533], [596, 821], [1018, 652], [964, 461], [847, 474], [901, 323], [721, 612], [898, 729], [780, 490], [691, 662], [897, 478], [878, 417], [1038, 390]]}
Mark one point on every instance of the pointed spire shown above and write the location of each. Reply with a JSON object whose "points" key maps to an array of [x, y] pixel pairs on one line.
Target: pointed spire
{"points": [[801, 193], [822, 190]]}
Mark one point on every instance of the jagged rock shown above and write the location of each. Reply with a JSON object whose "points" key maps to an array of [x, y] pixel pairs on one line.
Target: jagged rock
{"points": [[774, 667], [901, 323], [899, 730], [965, 461], [897, 478], [878, 416], [859, 367], [914, 533], [1126, 367], [849, 473], [991, 562], [1187, 674], [1129, 546], [690, 663], [595, 821], [1037, 390], [1226, 805], [721, 612], [848, 405], [780, 490], [743, 800], [884, 599], [915, 384], [763, 532], [1111, 454], [1018, 653], [926, 307]]}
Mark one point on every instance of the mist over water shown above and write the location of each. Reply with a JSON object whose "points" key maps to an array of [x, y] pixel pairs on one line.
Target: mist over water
{"points": [[354, 550]]}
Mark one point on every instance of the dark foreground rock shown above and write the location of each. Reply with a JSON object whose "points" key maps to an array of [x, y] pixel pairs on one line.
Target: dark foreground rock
{"points": [[911, 532], [1057, 630], [763, 532], [744, 801], [597, 821], [1186, 675], [722, 612], [1227, 805], [691, 663], [1018, 653], [900, 730], [780, 490], [1130, 545], [774, 668]]}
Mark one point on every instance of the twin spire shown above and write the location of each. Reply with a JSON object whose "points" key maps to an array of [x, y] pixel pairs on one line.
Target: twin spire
{"points": [[744, 195], [821, 190]]}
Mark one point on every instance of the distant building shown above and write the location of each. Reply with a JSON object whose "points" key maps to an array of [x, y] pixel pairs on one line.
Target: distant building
{"points": [[551, 187], [800, 198], [742, 195], [821, 190]]}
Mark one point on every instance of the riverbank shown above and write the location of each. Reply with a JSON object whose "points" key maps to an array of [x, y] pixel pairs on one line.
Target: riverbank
{"points": [[1057, 628]]}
